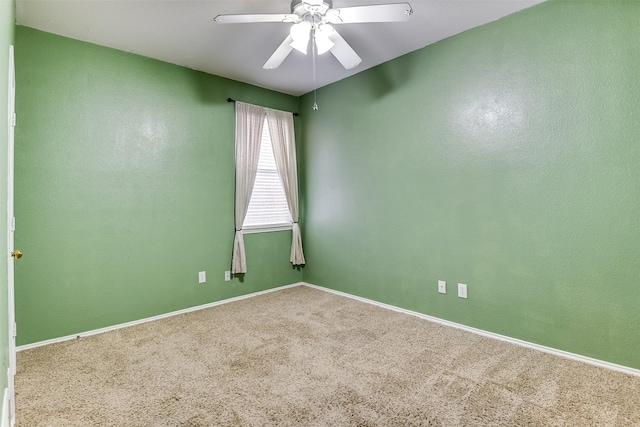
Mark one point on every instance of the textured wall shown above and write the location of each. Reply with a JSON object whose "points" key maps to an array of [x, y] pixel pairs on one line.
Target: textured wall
{"points": [[124, 188], [505, 158]]}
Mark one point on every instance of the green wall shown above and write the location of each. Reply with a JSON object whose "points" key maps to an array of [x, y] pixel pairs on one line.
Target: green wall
{"points": [[505, 158], [7, 19], [124, 188]]}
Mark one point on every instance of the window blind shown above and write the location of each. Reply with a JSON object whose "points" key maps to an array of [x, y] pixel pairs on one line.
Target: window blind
{"points": [[268, 204]]}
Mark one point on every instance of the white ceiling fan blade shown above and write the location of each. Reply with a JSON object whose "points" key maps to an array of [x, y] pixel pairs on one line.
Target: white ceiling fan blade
{"points": [[279, 55], [249, 19], [343, 52], [394, 12]]}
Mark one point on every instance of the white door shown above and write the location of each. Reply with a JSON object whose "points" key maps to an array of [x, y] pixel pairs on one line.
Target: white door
{"points": [[11, 371]]}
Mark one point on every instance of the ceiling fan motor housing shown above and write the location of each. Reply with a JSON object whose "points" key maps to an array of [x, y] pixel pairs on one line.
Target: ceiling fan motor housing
{"points": [[311, 7]]}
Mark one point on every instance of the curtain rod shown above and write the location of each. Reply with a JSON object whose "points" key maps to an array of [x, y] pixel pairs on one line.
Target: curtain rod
{"points": [[233, 100]]}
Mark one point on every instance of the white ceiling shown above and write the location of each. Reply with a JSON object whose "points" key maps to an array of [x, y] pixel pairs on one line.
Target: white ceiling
{"points": [[183, 32]]}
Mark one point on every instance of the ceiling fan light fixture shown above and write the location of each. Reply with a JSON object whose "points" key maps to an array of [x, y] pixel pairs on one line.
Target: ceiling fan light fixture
{"points": [[322, 40], [300, 34], [300, 45], [323, 44]]}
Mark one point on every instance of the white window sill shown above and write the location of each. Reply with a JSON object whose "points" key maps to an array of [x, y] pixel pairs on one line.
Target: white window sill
{"points": [[251, 229]]}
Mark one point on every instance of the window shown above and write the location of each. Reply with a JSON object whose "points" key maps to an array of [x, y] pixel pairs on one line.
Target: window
{"points": [[258, 186], [268, 208]]}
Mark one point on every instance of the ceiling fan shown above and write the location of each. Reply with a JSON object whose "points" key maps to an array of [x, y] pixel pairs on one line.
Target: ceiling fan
{"points": [[314, 20]]}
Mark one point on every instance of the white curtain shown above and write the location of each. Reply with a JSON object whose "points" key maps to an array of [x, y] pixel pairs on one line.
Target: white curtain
{"points": [[249, 124], [284, 152]]}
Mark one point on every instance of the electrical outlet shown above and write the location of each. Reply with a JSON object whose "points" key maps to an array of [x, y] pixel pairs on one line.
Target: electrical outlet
{"points": [[202, 276], [462, 290], [227, 276], [442, 286]]}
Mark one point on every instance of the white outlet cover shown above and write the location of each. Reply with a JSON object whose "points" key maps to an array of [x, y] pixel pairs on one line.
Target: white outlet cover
{"points": [[202, 276], [442, 286], [462, 290], [227, 276]]}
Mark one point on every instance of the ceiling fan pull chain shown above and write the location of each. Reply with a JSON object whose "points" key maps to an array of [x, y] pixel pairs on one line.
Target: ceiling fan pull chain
{"points": [[315, 85]]}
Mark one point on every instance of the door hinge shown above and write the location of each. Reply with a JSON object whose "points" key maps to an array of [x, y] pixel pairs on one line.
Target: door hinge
{"points": [[13, 223], [13, 120], [14, 330]]}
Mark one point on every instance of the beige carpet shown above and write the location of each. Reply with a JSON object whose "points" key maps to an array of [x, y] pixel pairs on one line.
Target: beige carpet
{"points": [[304, 357]]}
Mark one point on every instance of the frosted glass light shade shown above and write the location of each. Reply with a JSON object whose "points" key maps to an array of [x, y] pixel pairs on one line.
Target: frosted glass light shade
{"points": [[300, 34], [323, 42]]}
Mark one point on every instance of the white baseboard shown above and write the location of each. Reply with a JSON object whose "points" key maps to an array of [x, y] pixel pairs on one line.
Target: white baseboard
{"points": [[6, 417], [151, 319], [522, 343]]}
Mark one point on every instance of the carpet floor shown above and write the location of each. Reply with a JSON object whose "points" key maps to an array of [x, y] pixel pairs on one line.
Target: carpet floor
{"points": [[304, 357]]}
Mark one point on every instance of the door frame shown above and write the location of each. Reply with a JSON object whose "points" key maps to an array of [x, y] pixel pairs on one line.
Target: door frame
{"points": [[11, 370]]}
